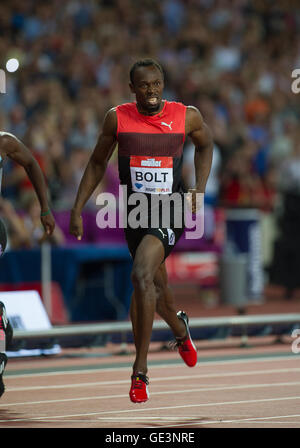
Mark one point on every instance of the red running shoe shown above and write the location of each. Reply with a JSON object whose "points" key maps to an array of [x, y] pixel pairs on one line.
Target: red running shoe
{"points": [[139, 388], [186, 347]]}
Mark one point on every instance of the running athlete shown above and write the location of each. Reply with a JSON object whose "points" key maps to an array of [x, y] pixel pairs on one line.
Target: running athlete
{"points": [[11, 147], [150, 134]]}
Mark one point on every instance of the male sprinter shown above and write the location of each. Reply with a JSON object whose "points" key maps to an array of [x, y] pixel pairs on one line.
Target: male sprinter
{"points": [[150, 134], [11, 147]]}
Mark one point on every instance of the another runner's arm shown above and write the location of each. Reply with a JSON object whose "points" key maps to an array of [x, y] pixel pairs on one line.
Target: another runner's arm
{"points": [[19, 153], [201, 136]]}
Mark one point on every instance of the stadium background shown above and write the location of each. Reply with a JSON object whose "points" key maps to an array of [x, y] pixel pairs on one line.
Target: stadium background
{"points": [[231, 59]]}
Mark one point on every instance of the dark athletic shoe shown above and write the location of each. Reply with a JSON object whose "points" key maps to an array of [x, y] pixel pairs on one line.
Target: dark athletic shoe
{"points": [[3, 361], [186, 347], [139, 388], [6, 326]]}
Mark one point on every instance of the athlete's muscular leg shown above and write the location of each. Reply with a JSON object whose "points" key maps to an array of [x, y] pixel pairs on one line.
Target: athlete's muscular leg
{"points": [[164, 307], [134, 321], [148, 257], [165, 303]]}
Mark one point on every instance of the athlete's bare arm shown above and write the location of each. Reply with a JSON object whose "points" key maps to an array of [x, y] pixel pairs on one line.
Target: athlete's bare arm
{"points": [[13, 148], [94, 171], [201, 136]]}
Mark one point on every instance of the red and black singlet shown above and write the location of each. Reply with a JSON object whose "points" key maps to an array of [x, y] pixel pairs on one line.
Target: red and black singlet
{"points": [[150, 148]]}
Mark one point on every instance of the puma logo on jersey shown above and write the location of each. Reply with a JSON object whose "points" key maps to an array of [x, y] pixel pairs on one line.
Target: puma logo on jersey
{"points": [[161, 232], [168, 125]]}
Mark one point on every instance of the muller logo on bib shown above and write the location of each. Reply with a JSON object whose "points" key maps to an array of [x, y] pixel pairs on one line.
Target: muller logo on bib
{"points": [[151, 175], [151, 162]]}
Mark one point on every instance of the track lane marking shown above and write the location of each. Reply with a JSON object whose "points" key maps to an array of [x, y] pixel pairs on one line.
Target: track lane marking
{"points": [[180, 364], [173, 392], [182, 377], [242, 420], [145, 409]]}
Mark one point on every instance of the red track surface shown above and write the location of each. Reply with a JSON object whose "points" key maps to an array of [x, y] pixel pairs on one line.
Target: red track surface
{"points": [[231, 387]]}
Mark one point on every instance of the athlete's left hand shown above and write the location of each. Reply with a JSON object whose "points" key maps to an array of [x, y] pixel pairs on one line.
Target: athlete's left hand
{"points": [[76, 226]]}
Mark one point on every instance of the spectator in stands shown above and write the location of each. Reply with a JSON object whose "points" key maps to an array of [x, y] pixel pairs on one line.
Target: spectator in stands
{"points": [[211, 198], [285, 264], [235, 62], [289, 172]]}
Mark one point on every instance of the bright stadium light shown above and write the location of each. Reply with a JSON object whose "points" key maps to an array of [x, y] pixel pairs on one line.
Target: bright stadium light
{"points": [[12, 65]]}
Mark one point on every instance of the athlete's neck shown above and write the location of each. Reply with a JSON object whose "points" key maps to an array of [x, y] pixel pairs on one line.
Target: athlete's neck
{"points": [[150, 112]]}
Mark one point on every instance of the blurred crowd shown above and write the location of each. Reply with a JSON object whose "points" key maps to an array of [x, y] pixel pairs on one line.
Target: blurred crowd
{"points": [[233, 59]]}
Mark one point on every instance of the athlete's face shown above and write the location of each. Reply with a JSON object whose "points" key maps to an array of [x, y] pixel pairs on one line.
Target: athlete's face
{"points": [[148, 85]]}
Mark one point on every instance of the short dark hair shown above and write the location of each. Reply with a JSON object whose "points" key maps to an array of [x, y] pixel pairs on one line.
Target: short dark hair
{"points": [[148, 62]]}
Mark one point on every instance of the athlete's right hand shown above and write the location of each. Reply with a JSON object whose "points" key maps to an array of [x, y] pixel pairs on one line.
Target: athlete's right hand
{"points": [[76, 227]]}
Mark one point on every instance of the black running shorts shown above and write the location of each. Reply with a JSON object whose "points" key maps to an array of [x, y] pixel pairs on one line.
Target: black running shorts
{"points": [[168, 237]]}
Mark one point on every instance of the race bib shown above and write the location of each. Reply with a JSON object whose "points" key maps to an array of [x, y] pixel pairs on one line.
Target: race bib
{"points": [[152, 175]]}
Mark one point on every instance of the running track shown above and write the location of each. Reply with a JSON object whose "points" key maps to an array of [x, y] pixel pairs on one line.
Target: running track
{"points": [[231, 387]]}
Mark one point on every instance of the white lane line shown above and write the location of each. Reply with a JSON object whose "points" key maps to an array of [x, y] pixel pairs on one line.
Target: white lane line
{"points": [[200, 422], [240, 420], [170, 378], [165, 392], [129, 420], [200, 364], [140, 409]]}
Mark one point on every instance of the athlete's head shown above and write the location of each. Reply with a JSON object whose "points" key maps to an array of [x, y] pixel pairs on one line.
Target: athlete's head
{"points": [[147, 83]]}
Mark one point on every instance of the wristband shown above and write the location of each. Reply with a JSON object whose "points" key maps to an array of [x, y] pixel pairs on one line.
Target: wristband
{"points": [[46, 213]]}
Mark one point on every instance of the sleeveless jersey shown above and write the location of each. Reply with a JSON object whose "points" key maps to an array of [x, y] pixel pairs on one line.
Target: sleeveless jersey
{"points": [[150, 148]]}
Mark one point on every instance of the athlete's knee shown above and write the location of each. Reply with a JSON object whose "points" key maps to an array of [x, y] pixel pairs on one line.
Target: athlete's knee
{"points": [[142, 278]]}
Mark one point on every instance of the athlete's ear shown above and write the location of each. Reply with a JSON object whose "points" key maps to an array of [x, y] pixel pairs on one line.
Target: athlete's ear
{"points": [[131, 86]]}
